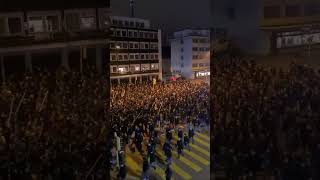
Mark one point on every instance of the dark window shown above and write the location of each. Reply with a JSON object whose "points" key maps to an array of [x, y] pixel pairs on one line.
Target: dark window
{"points": [[131, 24], [142, 25], [114, 22], [112, 45], [113, 57], [130, 33], [181, 41], [182, 49], [124, 33], [231, 13], [135, 34], [114, 69], [125, 45], [120, 57], [131, 45], [126, 23], [118, 33], [194, 40], [181, 57], [142, 56], [147, 56], [125, 57], [146, 46], [293, 11], [312, 9], [120, 23], [131, 56], [141, 34], [136, 46], [136, 56], [53, 23], [194, 49], [14, 25], [156, 56], [272, 11]]}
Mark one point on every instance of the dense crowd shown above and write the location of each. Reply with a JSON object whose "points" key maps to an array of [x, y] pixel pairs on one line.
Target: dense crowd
{"points": [[266, 120], [140, 113], [53, 125]]}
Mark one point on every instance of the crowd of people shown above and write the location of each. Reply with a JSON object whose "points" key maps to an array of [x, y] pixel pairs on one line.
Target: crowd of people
{"points": [[141, 113], [265, 120], [53, 125]]}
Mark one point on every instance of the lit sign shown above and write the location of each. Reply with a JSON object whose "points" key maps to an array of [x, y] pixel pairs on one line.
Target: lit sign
{"points": [[203, 74]]}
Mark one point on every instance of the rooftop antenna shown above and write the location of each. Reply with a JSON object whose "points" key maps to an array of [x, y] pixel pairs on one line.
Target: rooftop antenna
{"points": [[132, 7]]}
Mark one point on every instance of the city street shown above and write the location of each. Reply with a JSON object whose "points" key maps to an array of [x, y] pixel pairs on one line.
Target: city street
{"points": [[195, 164]]}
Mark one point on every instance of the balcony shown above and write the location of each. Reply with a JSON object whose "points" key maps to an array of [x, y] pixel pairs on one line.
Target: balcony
{"points": [[134, 73], [55, 37]]}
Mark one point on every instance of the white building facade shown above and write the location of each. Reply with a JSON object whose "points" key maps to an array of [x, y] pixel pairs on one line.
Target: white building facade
{"points": [[190, 53], [135, 51]]}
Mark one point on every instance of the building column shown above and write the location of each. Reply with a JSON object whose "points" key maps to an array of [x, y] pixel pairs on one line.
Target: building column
{"points": [[28, 61], [65, 57], [99, 59], [118, 80], [3, 72], [130, 80]]}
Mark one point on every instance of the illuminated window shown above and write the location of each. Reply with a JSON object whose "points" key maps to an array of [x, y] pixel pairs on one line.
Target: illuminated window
{"points": [[36, 24]]}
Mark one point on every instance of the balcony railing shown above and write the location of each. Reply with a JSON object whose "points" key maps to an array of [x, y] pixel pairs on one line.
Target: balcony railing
{"points": [[55, 37], [133, 73]]}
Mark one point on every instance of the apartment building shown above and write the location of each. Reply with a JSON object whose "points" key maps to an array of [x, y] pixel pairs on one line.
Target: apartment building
{"points": [[190, 53], [135, 51], [74, 38], [269, 26]]}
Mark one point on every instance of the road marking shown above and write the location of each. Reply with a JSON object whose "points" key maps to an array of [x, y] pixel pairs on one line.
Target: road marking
{"points": [[197, 157], [180, 172], [187, 162], [133, 165], [202, 142], [174, 166], [199, 149], [203, 136]]}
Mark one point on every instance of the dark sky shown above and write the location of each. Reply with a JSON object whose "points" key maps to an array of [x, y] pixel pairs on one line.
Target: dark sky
{"points": [[169, 15], [49, 4]]}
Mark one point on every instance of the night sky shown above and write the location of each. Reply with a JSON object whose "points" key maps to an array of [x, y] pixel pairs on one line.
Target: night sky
{"points": [[169, 15], [49, 4]]}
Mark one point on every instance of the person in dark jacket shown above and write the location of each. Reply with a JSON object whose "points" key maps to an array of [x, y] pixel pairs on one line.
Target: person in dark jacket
{"points": [[145, 169], [122, 172], [179, 147], [186, 142], [168, 173]]}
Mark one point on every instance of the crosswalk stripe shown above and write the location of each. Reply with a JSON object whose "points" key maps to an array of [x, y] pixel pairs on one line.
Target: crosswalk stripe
{"points": [[132, 164], [175, 168], [188, 162], [203, 136], [199, 149], [197, 157], [180, 172], [160, 172], [202, 142]]}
